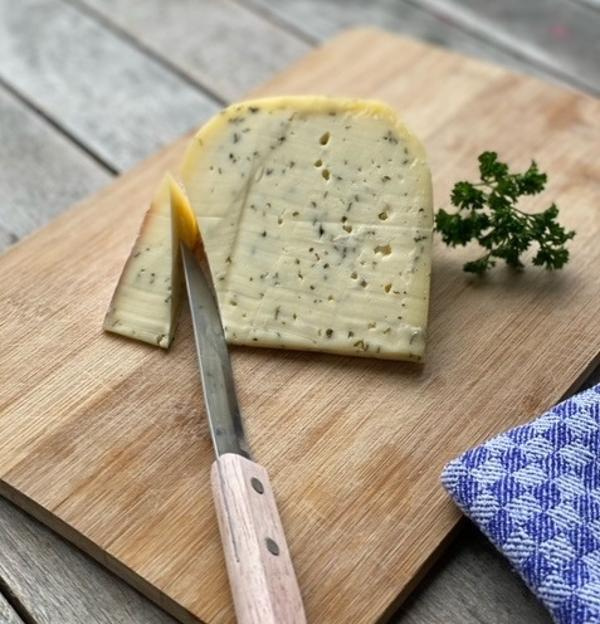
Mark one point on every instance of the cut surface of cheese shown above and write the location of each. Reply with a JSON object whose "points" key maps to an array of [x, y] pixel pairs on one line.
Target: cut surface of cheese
{"points": [[316, 217], [147, 298]]}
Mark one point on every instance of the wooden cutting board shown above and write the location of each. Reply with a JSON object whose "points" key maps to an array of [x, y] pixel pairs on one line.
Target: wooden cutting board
{"points": [[106, 441]]}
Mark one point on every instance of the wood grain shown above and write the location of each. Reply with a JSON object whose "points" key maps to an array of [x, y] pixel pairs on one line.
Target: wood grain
{"points": [[324, 18], [7, 614], [42, 172], [218, 43], [261, 573], [58, 584], [593, 4], [559, 36], [113, 99], [111, 437], [472, 584]]}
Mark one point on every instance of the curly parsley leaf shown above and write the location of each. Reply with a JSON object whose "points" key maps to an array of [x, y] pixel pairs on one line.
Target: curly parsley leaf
{"points": [[488, 213]]}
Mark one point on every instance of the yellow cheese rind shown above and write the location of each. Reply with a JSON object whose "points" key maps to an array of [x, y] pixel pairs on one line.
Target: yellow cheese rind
{"points": [[148, 295], [185, 219], [316, 217]]}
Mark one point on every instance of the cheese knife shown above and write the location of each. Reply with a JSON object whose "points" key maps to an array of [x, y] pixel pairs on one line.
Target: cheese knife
{"points": [[259, 567]]}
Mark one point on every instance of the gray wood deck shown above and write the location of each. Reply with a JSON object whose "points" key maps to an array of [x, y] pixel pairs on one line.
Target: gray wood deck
{"points": [[90, 87]]}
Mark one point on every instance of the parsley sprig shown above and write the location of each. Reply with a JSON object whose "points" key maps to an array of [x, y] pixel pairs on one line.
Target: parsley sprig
{"points": [[488, 213]]}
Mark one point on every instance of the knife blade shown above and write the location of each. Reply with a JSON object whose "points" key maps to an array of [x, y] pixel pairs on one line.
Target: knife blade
{"points": [[260, 570], [224, 418]]}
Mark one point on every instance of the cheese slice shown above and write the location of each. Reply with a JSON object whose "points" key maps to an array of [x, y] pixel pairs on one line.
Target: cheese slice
{"points": [[316, 217], [146, 300]]}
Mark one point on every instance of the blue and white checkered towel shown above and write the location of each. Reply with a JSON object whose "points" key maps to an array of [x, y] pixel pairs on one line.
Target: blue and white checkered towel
{"points": [[535, 492]]}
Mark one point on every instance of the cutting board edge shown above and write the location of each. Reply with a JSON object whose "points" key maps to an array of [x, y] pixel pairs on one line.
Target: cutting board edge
{"points": [[172, 607], [392, 609], [168, 151], [81, 542], [460, 521], [66, 531], [165, 154], [379, 32]]}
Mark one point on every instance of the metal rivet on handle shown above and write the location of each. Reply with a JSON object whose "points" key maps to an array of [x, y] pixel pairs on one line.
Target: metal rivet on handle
{"points": [[257, 485], [272, 546]]}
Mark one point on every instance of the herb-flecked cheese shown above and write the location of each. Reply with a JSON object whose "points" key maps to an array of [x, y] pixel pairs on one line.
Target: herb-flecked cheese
{"points": [[145, 303], [316, 217]]}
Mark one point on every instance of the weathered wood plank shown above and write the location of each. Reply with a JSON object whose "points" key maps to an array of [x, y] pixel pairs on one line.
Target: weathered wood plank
{"points": [[216, 42], [594, 4], [496, 603], [441, 599], [42, 172], [323, 18], [7, 613], [103, 91], [60, 585], [560, 36], [7, 238], [593, 379], [472, 584], [390, 73]]}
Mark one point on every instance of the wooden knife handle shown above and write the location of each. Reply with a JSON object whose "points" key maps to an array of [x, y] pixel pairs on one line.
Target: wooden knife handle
{"points": [[260, 570]]}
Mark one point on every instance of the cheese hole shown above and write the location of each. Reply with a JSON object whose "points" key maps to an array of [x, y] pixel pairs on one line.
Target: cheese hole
{"points": [[324, 138], [318, 163], [354, 275], [348, 228], [385, 250], [325, 173], [387, 288], [364, 283], [279, 220], [383, 215]]}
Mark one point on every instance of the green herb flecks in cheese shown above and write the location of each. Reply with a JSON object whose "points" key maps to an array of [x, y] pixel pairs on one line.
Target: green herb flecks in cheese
{"points": [[147, 297], [316, 216]]}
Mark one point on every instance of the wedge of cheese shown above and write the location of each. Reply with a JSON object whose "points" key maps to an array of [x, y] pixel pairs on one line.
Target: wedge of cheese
{"points": [[316, 216], [147, 298]]}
